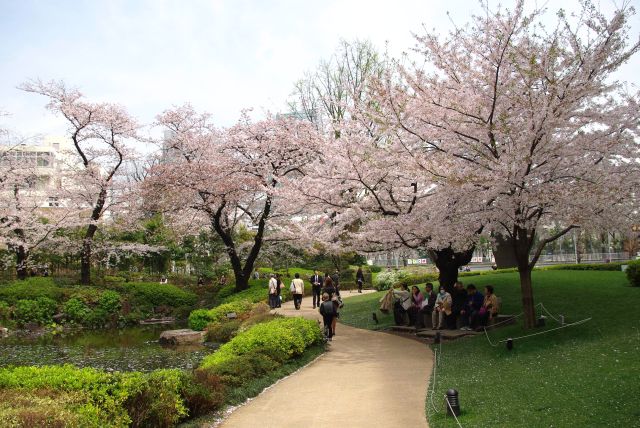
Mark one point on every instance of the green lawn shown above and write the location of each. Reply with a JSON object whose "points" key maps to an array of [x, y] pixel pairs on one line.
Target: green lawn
{"points": [[582, 376]]}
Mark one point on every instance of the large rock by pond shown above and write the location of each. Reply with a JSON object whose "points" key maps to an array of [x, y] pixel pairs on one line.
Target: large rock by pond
{"points": [[181, 337]]}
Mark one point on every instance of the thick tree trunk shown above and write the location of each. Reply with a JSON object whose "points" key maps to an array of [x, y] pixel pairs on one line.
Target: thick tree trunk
{"points": [[85, 255], [448, 263], [526, 289], [504, 252], [522, 249], [22, 256]]}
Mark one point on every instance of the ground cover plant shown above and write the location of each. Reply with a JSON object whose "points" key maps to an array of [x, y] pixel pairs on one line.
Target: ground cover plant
{"points": [[70, 396], [570, 377], [36, 300]]}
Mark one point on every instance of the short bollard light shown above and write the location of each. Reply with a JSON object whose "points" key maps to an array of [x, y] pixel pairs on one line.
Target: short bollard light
{"points": [[541, 321], [561, 319], [453, 406], [437, 338], [509, 344]]}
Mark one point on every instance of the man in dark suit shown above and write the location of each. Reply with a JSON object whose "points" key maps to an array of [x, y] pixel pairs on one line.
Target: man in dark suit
{"points": [[316, 286]]}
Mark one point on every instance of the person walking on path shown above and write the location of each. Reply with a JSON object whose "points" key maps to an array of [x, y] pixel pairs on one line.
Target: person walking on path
{"points": [[297, 290], [336, 281], [316, 288], [328, 312], [360, 279], [273, 292], [279, 290]]}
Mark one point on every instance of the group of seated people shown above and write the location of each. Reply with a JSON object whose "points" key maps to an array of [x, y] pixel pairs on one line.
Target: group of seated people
{"points": [[469, 306]]}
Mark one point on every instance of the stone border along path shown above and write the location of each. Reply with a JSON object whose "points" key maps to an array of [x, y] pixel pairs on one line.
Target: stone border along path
{"points": [[365, 379]]}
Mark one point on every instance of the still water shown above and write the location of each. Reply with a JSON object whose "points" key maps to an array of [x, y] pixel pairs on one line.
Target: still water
{"points": [[127, 349]]}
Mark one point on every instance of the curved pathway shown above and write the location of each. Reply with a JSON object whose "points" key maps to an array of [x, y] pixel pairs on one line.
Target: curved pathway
{"points": [[365, 379]]}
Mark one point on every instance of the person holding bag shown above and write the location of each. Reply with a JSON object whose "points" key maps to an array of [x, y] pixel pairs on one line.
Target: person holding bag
{"points": [[297, 290]]}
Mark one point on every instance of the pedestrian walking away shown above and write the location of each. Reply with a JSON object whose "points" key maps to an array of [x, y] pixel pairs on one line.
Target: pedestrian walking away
{"points": [[297, 290], [328, 312], [273, 292], [279, 290], [316, 288], [360, 279]]}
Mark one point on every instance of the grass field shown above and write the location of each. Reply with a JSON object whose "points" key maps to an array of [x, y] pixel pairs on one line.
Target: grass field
{"points": [[582, 376]]}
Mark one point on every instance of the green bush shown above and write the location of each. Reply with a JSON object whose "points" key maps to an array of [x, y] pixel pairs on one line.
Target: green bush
{"points": [[375, 268], [145, 293], [221, 332], [633, 273], [5, 311], [203, 392], [388, 279], [46, 408], [40, 311], [112, 399], [281, 338], [257, 292], [76, 310], [30, 289], [200, 318], [110, 302], [114, 279], [616, 266]]}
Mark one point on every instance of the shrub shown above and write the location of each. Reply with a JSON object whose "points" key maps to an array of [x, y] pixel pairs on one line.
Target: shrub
{"points": [[40, 311], [200, 318], [5, 310], [375, 268], [633, 273], [45, 408], [114, 399], [114, 279], [75, 310], [280, 339], [416, 279], [388, 279], [203, 392], [222, 332], [30, 289], [159, 294], [616, 266], [109, 302]]}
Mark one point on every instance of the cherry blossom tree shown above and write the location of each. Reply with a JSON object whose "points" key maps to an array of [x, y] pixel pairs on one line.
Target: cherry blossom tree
{"points": [[99, 132], [223, 179], [26, 223], [526, 124]]}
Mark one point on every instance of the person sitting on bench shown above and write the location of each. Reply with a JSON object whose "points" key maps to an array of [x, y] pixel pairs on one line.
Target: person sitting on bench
{"points": [[442, 309], [490, 307], [428, 304], [416, 305], [471, 311]]}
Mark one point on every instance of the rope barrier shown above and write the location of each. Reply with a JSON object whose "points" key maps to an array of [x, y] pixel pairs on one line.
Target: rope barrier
{"points": [[452, 412], [547, 331], [549, 313]]}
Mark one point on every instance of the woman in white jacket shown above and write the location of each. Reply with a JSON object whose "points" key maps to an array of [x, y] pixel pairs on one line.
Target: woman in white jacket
{"points": [[297, 290]]}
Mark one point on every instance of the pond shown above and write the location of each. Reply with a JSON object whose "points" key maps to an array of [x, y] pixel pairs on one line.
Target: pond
{"points": [[127, 349]]}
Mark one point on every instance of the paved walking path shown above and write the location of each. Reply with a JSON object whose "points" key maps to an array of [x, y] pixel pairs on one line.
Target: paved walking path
{"points": [[365, 379]]}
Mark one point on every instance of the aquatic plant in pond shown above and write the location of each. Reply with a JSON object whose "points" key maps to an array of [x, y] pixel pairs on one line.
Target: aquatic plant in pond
{"points": [[129, 349]]}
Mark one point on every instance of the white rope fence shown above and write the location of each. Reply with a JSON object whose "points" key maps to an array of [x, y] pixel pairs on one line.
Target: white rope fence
{"points": [[438, 351]]}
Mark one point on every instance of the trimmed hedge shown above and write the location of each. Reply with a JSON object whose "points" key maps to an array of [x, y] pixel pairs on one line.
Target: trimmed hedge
{"points": [[633, 273], [200, 318], [158, 294], [615, 266], [280, 339], [108, 399], [30, 289]]}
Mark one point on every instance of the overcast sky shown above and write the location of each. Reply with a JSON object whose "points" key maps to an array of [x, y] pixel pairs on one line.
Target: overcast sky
{"points": [[220, 55]]}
